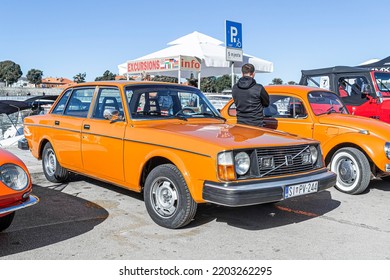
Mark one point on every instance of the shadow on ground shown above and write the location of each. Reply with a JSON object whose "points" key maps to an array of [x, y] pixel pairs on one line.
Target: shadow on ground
{"points": [[58, 216], [266, 216]]}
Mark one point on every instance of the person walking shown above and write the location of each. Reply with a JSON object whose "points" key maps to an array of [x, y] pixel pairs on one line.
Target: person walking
{"points": [[250, 98]]}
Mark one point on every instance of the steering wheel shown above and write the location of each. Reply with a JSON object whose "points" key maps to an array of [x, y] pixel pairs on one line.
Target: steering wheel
{"points": [[182, 111]]}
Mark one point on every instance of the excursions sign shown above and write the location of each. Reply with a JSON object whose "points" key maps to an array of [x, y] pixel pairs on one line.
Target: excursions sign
{"points": [[164, 64]]}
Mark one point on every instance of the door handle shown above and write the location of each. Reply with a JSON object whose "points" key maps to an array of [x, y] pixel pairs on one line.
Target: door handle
{"points": [[56, 122], [87, 126]]}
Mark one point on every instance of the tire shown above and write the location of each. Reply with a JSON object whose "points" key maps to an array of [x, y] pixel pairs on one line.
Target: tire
{"points": [[352, 169], [53, 171], [167, 198], [6, 221]]}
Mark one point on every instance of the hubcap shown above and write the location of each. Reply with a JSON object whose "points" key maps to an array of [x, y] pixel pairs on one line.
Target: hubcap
{"points": [[347, 171], [50, 162], [164, 197]]}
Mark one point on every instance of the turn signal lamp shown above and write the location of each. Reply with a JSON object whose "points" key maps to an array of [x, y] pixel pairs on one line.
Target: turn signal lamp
{"points": [[226, 166]]}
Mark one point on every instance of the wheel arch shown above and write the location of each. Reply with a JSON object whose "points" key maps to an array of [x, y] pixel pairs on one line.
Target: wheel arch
{"points": [[332, 151]]}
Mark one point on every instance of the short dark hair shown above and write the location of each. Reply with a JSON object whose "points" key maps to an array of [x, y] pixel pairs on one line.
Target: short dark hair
{"points": [[247, 68]]}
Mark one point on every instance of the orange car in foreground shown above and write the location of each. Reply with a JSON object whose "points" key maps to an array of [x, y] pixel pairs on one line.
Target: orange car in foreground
{"points": [[169, 142], [355, 148], [15, 188]]}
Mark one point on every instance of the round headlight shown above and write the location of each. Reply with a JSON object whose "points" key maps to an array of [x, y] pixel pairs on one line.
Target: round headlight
{"points": [[314, 154], [242, 163], [387, 149], [13, 177]]}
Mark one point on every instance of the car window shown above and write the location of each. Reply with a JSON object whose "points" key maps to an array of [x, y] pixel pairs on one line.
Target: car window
{"points": [[79, 102], [326, 103], [156, 101], [108, 99], [280, 106], [59, 108]]}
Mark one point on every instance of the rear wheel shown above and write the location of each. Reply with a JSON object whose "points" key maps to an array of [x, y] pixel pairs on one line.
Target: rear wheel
{"points": [[352, 169], [167, 198], [53, 171], [6, 221]]}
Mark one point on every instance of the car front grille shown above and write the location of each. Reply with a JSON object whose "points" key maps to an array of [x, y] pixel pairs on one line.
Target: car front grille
{"points": [[287, 161]]}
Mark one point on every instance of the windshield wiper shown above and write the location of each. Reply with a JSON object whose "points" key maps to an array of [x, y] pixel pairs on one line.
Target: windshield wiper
{"points": [[209, 115], [180, 117]]}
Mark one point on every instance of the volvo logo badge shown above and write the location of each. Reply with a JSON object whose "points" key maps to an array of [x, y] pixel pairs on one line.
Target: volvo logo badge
{"points": [[289, 160]]}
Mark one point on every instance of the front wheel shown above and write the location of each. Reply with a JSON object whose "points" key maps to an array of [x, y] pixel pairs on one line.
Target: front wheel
{"points": [[6, 221], [352, 169], [52, 169], [167, 197]]}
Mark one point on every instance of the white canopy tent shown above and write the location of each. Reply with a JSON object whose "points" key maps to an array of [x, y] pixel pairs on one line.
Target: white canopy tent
{"points": [[209, 51]]}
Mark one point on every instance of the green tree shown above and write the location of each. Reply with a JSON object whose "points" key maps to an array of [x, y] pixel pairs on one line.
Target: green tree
{"points": [[80, 78], [292, 83], [277, 81], [34, 76], [10, 72], [223, 82], [208, 84], [107, 76]]}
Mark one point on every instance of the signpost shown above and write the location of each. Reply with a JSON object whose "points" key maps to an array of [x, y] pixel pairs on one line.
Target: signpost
{"points": [[233, 41]]}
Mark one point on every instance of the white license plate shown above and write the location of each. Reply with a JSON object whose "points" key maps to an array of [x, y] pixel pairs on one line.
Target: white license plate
{"points": [[301, 189]]}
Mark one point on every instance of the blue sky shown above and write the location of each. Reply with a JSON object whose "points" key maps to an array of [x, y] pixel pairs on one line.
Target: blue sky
{"points": [[64, 38]]}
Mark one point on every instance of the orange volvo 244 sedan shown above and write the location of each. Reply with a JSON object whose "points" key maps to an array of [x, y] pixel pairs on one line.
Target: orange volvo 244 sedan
{"points": [[170, 143], [355, 148]]}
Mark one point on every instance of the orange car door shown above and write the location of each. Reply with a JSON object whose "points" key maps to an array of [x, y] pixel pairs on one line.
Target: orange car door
{"points": [[288, 113], [102, 138], [67, 120]]}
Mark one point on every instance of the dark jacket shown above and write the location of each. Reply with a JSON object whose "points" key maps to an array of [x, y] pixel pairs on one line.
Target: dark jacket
{"points": [[250, 99]]}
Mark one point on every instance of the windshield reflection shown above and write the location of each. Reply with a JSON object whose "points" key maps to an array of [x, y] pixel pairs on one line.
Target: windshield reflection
{"points": [[326, 103]]}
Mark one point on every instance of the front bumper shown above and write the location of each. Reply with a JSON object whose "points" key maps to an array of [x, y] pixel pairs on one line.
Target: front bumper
{"points": [[32, 199], [258, 192]]}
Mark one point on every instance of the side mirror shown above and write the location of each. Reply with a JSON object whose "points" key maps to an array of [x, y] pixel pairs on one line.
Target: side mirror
{"points": [[111, 114], [380, 97]]}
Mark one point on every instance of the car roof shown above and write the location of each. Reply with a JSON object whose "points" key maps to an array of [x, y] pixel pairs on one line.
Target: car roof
{"points": [[125, 83], [292, 88], [334, 70]]}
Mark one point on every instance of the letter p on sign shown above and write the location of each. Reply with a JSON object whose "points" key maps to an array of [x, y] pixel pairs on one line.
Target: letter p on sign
{"points": [[233, 35]]}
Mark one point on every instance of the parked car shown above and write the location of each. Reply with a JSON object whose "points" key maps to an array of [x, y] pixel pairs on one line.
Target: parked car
{"points": [[169, 142], [355, 148], [364, 91], [219, 100], [15, 188]]}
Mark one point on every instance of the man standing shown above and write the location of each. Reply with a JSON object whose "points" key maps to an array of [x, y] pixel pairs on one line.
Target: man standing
{"points": [[250, 98]]}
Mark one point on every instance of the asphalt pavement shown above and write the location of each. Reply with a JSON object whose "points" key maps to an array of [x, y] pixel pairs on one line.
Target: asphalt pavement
{"points": [[86, 219]]}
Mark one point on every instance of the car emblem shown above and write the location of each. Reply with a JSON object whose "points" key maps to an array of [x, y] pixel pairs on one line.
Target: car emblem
{"points": [[289, 160]]}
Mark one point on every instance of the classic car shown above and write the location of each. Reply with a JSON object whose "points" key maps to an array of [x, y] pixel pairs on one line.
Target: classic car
{"points": [[169, 142], [364, 91], [15, 188], [355, 148]]}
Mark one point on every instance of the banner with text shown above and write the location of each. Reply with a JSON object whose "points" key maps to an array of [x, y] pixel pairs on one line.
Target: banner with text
{"points": [[164, 64]]}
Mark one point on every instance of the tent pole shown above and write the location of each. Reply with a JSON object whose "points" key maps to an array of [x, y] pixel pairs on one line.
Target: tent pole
{"points": [[199, 80]]}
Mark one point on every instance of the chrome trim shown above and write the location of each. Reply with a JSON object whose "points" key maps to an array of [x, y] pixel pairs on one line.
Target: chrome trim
{"points": [[29, 202]]}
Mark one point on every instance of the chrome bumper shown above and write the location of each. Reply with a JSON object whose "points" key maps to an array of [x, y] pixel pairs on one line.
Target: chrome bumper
{"points": [[32, 199], [260, 191]]}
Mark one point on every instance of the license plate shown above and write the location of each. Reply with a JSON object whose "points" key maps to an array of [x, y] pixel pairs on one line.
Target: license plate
{"points": [[301, 189]]}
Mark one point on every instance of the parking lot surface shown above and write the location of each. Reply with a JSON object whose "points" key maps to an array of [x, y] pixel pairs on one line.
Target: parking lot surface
{"points": [[91, 220]]}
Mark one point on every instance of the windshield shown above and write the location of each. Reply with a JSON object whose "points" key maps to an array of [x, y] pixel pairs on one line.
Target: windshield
{"points": [[168, 101], [383, 82], [326, 103]]}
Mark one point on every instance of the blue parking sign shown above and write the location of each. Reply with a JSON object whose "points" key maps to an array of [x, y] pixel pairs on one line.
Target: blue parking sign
{"points": [[233, 35]]}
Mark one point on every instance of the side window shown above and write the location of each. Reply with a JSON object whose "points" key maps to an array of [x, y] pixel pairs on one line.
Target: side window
{"points": [[282, 106], [79, 103], [108, 99], [353, 86], [319, 82], [59, 109]]}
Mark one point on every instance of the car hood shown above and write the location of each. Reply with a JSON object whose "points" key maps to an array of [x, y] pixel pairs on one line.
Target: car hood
{"points": [[356, 123], [224, 136]]}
